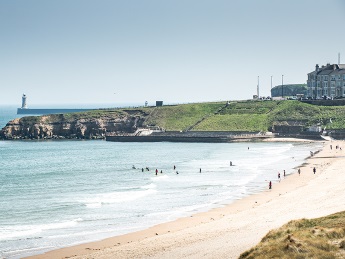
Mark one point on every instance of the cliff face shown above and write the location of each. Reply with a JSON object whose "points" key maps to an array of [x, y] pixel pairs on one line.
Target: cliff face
{"points": [[81, 126]]}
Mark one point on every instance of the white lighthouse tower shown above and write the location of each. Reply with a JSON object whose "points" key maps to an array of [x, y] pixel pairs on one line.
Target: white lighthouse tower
{"points": [[24, 102]]}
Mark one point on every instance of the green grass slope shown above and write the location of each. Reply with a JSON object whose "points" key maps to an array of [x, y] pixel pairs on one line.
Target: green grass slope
{"points": [[181, 117], [306, 238], [262, 115], [217, 116], [240, 116]]}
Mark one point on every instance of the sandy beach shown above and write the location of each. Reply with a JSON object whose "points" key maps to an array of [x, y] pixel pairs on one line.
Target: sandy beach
{"points": [[228, 231]]}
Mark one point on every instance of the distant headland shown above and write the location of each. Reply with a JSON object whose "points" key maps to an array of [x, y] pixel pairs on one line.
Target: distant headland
{"points": [[225, 121]]}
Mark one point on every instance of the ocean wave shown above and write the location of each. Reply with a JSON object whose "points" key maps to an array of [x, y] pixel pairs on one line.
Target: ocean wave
{"points": [[15, 232], [115, 197], [160, 178], [149, 186]]}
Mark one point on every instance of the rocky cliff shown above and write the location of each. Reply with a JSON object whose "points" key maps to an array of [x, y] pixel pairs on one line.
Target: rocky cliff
{"points": [[88, 125]]}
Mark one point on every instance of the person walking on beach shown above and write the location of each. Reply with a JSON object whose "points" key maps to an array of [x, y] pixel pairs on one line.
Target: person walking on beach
{"points": [[174, 167], [230, 163], [279, 176], [200, 170], [299, 171], [270, 185], [314, 170], [284, 173], [156, 171]]}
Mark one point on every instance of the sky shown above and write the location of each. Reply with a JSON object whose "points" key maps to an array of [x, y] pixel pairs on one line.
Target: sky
{"points": [[118, 52]]}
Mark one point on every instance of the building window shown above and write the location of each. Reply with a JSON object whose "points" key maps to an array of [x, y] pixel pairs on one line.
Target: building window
{"points": [[326, 78], [333, 78], [326, 84]]}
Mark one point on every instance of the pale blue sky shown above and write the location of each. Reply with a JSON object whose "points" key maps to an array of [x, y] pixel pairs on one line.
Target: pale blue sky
{"points": [[129, 51]]}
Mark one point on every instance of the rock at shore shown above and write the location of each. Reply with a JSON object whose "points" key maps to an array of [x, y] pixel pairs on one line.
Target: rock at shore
{"points": [[74, 126]]}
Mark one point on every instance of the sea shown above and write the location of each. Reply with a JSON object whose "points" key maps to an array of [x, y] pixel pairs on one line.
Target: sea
{"points": [[58, 193]]}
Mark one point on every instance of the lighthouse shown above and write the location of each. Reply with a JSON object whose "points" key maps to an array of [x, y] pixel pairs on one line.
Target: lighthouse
{"points": [[24, 102]]}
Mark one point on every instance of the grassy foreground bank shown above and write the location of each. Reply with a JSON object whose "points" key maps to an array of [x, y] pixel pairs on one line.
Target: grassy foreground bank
{"points": [[306, 238]]}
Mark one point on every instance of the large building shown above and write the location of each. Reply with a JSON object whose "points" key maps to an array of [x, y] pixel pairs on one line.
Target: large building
{"points": [[327, 81]]}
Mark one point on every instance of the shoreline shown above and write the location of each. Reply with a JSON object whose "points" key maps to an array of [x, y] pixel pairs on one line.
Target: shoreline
{"points": [[221, 232]]}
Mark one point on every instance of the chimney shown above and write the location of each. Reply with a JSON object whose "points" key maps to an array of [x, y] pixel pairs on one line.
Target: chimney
{"points": [[317, 67]]}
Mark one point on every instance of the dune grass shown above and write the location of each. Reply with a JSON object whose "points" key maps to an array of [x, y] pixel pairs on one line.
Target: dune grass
{"points": [[305, 238]]}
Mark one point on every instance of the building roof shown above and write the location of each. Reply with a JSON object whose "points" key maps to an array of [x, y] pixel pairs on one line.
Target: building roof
{"points": [[329, 69], [325, 72], [338, 72]]}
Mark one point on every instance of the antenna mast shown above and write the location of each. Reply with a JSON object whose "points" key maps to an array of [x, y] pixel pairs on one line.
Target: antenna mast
{"points": [[258, 88], [271, 82]]}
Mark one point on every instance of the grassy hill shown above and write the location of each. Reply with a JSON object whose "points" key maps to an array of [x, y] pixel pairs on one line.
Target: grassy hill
{"points": [[181, 117], [244, 115], [218, 116], [306, 238]]}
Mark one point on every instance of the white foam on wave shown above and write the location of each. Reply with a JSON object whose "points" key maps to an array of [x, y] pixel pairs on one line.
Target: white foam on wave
{"points": [[159, 178], [13, 232], [149, 186], [116, 197]]}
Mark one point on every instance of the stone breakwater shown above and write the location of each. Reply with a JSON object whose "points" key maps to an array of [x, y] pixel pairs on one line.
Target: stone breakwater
{"points": [[192, 136], [74, 126]]}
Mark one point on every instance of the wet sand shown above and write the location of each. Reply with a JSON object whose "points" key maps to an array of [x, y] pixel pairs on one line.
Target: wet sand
{"points": [[228, 231]]}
